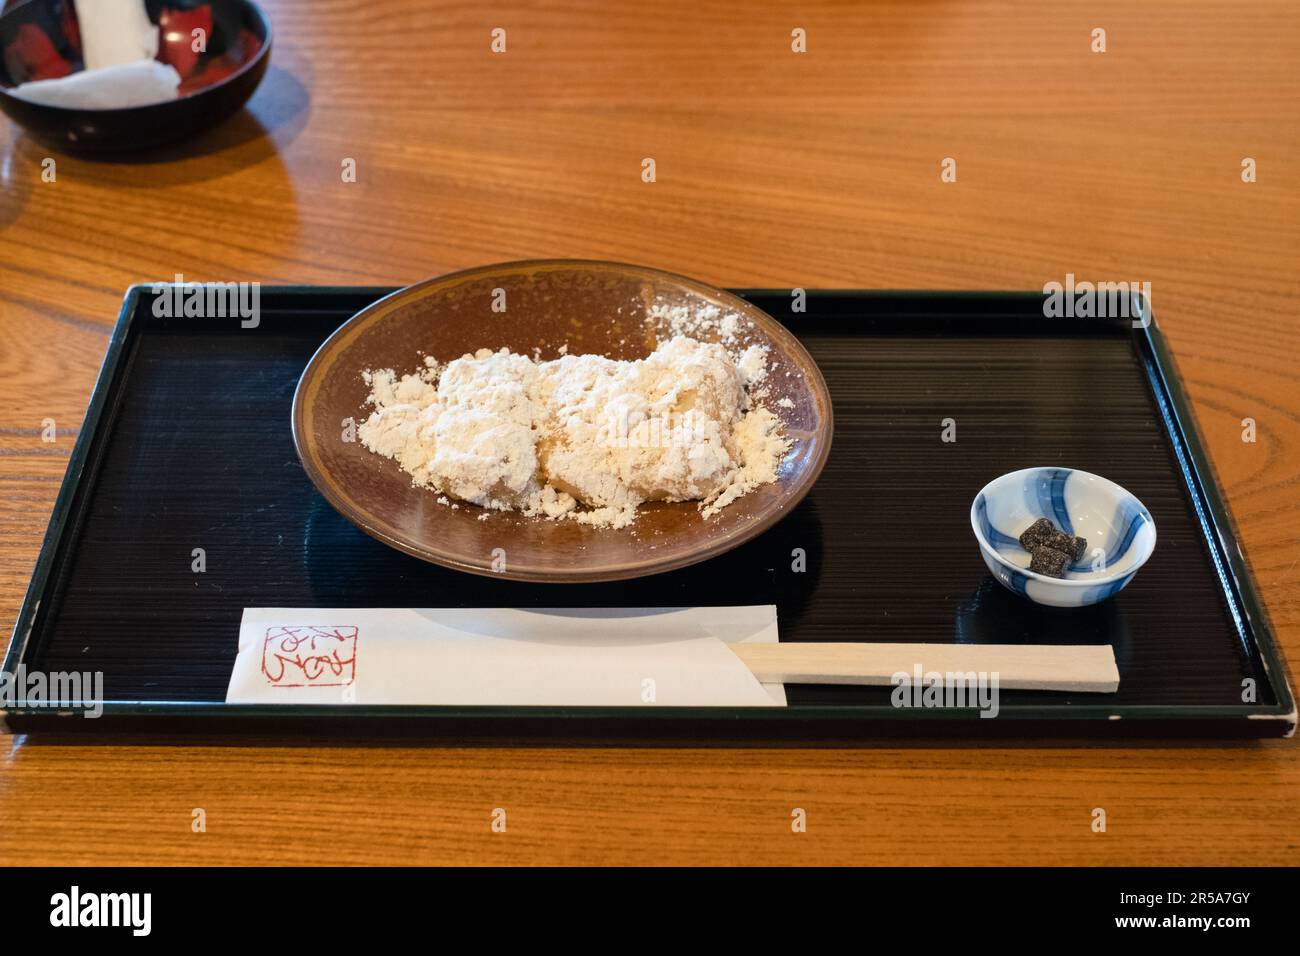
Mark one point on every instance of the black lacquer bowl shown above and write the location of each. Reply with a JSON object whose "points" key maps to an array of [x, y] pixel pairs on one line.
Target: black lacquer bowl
{"points": [[40, 40]]}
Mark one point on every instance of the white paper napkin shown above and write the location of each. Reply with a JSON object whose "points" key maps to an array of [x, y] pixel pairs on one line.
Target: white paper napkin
{"points": [[634, 657], [114, 87], [114, 32]]}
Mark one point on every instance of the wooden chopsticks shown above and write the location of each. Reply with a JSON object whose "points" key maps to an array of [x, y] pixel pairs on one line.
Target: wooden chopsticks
{"points": [[1088, 668]]}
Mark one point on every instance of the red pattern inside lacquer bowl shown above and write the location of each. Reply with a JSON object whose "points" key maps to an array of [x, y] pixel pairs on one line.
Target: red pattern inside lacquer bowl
{"points": [[48, 45]]}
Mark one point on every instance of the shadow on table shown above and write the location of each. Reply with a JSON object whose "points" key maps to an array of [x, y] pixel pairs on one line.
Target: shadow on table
{"points": [[254, 135]]}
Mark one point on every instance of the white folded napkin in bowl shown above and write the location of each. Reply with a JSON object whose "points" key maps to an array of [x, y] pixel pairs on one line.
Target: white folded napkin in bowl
{"points": [[114, 32], [141, 83]]}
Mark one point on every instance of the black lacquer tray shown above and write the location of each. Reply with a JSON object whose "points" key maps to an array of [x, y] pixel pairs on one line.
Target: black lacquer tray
{"points": [[186, 445]]}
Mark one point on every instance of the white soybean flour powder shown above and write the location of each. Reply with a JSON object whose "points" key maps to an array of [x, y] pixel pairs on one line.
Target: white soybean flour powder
{"points": [[582, 437]]}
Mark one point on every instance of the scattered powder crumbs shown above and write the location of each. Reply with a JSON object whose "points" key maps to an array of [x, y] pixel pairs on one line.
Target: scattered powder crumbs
{"points": [[704, 321], [586, 438]]}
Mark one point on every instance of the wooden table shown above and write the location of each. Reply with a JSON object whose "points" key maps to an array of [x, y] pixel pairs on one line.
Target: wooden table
{"points": [[772, 169]]}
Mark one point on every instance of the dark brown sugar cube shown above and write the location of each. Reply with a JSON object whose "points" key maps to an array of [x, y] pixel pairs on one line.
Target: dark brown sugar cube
{"points": [[1036, 533], [1070, 544], [1049, 561]]}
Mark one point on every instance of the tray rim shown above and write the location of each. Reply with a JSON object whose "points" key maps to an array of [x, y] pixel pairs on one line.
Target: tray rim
{"points": [[1214, 518]]}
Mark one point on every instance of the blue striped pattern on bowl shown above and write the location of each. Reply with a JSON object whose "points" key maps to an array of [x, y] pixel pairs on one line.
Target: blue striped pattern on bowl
{"points": [[1120, 531]]}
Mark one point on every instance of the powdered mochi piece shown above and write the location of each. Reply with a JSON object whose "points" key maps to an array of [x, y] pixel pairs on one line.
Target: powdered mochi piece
{"points": [[507, 432]]}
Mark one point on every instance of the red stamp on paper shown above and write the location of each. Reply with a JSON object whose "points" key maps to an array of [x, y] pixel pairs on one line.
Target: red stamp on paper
{"points": [[310, 656]]}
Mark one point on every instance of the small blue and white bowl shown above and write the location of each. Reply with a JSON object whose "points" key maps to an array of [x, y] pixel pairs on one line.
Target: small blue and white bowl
{"points": [[1120, 532]]}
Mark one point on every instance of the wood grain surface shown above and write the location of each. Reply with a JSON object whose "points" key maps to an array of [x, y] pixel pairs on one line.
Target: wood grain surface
{"points": [[773, 169]]}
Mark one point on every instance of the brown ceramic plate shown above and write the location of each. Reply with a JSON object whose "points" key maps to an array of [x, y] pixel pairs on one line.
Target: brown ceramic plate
{"points": [[592, 307]]}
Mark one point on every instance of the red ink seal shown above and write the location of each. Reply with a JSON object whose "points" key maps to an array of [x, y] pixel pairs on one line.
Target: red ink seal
{"points": [[310, 656]]}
